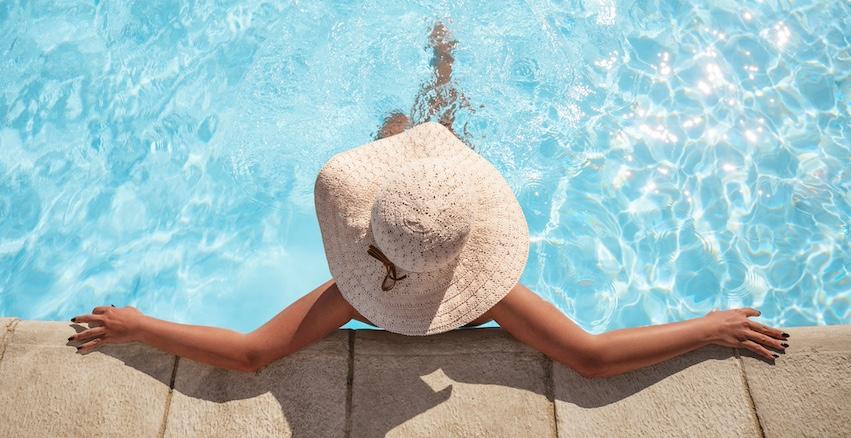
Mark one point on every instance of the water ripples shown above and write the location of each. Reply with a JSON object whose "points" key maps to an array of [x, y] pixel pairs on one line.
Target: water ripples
{"points": [[670, 157]]}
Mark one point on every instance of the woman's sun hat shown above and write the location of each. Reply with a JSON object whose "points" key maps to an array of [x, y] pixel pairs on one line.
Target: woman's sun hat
{"points": [[422, 234]]}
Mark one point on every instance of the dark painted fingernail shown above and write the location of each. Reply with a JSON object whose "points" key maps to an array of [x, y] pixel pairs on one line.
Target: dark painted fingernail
{"points": [[785, 335], [775, 355], [78, 348], [785, 344], [74, 319], [69, 337]]}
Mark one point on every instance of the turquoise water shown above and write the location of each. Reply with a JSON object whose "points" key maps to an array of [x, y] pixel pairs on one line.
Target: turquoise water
{"points": [[670, 158]]}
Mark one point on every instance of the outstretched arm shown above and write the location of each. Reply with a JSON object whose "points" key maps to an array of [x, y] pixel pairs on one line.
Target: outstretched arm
{"points": [[539, 324], [304, 322]]}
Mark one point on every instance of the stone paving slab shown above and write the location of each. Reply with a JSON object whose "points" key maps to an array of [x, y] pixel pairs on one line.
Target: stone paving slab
{"points": [[463, 383], [472, 382], [48, 389], [464, 341], [302, 395], [701, 393], [6, 322], [807, 392]]}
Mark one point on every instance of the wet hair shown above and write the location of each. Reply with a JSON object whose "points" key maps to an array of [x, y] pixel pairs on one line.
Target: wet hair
{"points": [[391, 118]]}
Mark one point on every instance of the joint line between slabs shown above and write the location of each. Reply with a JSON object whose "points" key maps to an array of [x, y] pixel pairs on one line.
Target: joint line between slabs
{"points": [[751, 403], [163, 423], [551, 391], [10, 331], [350, 383]]}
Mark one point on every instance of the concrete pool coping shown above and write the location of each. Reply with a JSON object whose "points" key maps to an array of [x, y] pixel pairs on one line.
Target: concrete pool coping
{"points": [[470, 382]]}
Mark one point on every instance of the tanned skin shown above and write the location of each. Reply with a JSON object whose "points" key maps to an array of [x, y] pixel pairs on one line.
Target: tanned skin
{"points": [[525, 315], [522, 313]]}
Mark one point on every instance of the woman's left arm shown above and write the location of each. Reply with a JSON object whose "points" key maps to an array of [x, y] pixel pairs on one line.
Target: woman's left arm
{"points": [[534, 321]]}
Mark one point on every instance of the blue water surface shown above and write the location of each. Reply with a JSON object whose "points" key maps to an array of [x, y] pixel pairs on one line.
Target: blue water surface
{"points": [[670, 157]]}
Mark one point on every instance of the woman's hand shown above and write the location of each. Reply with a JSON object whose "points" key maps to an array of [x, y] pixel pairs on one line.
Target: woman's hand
{"points": [[107, 325], [732, 328]]}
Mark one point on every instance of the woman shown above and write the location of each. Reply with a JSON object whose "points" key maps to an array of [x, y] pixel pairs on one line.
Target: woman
{"points": [[424, 236]]}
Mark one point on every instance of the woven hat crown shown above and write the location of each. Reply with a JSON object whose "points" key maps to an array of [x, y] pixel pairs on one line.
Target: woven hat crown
{"points": [[423, 214]]}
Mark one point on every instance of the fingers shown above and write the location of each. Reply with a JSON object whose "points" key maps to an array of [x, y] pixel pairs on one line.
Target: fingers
{"points": [[99, 310], [750, 312], [759, 349], [761, 328], [88, 319], [88, 334], [765, 340], [91, 345]]}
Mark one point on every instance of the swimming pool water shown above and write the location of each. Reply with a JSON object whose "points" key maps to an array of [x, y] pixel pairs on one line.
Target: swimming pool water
{"points": [[670, 157]]}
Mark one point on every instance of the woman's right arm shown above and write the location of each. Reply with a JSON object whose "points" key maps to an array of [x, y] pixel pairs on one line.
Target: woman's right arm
{"points": [[304, 322], [539, 324]]}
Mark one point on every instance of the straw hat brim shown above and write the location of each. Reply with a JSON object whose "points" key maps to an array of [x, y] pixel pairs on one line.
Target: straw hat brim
{"points": [[424, 303]]}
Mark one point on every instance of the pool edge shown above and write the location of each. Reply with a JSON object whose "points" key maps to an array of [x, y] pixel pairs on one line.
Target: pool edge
{"points": [[400, 385]]}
